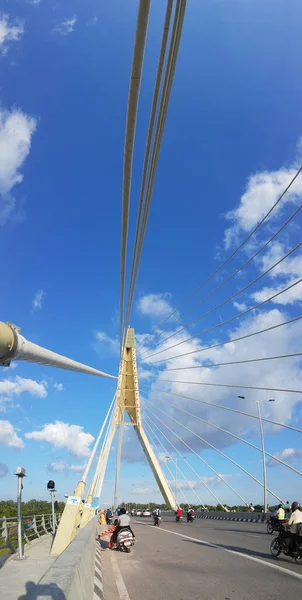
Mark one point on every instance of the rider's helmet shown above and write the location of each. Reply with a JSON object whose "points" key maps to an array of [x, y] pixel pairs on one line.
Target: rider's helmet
{"points": [[295, 506], [123, 511]]}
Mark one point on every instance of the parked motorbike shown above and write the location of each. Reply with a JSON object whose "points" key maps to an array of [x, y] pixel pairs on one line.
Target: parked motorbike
{"points": [[287, 545], [275, 525], [157, 520], [124, 540], [190, 518], [178, 519]]}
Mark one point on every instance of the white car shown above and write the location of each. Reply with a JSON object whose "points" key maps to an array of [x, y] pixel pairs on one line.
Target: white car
{"points": [[138, 513], [146, 513]]}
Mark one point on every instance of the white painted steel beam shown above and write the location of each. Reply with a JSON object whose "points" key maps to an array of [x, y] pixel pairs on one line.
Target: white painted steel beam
{"points": [[14, 346]]}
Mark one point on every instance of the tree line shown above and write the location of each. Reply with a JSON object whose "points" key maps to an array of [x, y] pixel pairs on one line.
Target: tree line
{"points": [[8, 508]]}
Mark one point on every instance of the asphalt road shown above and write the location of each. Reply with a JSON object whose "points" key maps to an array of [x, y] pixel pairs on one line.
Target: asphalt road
{"points": [[174, 561]]}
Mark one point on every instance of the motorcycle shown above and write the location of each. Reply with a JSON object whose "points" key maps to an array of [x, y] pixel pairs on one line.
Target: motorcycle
{"points": [[178, 519], [287, 545], [157, 520], [124, 540], [190, 518], [275, 525], [109, 520]]}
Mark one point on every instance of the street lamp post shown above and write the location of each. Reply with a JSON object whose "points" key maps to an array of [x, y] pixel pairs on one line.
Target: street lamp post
{"points": [[263, 449]]}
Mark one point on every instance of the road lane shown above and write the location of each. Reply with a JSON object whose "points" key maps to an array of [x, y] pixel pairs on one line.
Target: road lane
{"points": [[248, 538], [165, 566]]}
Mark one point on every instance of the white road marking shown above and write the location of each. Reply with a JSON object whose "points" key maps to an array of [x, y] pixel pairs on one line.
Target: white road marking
{"points": [[120, 584], [247, 556]]}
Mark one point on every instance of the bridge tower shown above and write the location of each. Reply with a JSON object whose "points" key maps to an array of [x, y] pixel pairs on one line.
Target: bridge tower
{"points": [[128, 403]]}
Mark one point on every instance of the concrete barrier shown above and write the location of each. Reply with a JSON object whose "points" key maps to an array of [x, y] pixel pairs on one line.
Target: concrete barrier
{"points": [[246, 517], [72, 574]]}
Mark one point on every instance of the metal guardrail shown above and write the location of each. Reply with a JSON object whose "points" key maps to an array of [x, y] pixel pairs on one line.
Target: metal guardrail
{"points": [[33, 527]]}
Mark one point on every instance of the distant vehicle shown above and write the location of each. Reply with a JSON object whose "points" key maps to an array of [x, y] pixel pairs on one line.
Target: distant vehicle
{"points": [[204, 510], [146, 513], [138, 513]]}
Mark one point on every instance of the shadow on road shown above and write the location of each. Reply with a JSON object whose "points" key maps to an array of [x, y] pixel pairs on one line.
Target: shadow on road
{"points": [[240, 531], [104, 545], [237, 549], [36, 591]]}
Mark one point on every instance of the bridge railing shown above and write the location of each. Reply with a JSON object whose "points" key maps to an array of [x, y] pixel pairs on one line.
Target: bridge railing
{"points": [[33, 527]]}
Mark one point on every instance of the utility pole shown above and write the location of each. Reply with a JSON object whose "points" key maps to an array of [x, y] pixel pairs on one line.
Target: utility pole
{"points": [[118, 462], [263, 459], [258, 402], [176, 476], [20, 472]]}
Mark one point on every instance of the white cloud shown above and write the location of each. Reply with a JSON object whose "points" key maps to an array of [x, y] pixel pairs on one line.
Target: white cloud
{"points": [[163, 457], [8, 436], [37, 300], [145, 373], [270, 374], [106, 344], [262, 191], [240, 306], [3, 470], [155, 305], [34, 2], [62, 467], [58, 386], [292, 296], [288, 455], [66, 27], [9, 32], [9, 389], [214, 481], [63, 435], [16, 130], [144, 490], [291, 266]]}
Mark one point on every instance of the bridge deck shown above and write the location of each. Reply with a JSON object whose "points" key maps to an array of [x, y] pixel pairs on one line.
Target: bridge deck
{"points": [[19, 578], [174, 562]]}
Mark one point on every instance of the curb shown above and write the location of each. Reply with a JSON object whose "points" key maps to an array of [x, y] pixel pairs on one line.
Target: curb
{"points": [[98, 589]]}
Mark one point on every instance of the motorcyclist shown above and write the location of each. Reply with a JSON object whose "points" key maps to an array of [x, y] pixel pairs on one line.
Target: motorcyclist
{"points": [[178, 513], [156, 513], [123, 523], [190, 513], [293, 523], [109, 516], [278, 515]]}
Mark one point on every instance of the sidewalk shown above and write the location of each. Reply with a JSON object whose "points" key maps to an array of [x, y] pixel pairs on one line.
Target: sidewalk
{"points": [[18, 577]]}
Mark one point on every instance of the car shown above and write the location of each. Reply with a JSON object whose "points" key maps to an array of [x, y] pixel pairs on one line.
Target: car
{"points": [[146, 513], [138, 513]]}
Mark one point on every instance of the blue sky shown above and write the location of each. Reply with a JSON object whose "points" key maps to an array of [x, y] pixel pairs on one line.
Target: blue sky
{"points": [[231, 145]]}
